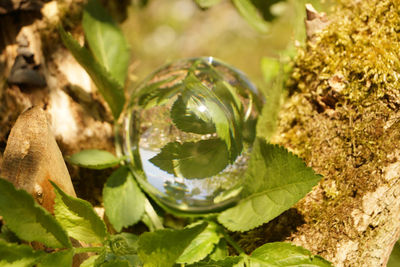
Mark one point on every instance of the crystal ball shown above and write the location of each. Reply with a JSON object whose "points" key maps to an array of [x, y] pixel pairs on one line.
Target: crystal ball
{"points": [[188, 132]]}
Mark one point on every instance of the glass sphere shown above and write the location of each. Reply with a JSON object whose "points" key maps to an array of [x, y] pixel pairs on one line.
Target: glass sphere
{"points": [[188, 132]]}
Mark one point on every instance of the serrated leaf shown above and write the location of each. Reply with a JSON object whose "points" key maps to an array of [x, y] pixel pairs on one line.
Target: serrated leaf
{"points": [[109, 88], [78, 217], [163, 247], [21, 212], [207, 3], [285, 254], [201, 246], [12, 254], [220, 251], [59, 259], [227, 262], [94, 159], [274, 181], [251, 14], [123, 199], [191, 116], [201, 159], [106, 40]]}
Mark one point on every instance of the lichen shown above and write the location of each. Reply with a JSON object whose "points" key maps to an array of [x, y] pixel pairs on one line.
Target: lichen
{"points": [[342, 117]]}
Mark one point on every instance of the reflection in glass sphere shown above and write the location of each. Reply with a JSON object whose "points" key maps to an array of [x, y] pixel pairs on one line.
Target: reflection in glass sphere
{"points": [[188, 132]]}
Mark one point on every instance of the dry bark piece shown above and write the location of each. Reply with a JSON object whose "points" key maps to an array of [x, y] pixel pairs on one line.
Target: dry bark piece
{"points": [[315, 22], [25, 73], [32, 158]]}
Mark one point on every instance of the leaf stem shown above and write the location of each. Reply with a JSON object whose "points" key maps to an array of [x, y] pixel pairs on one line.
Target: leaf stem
{"points": [[232, 242], [152, 215], [88, 249]]}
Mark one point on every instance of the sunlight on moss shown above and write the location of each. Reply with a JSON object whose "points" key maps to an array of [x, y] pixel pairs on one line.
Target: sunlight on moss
{"points": [[361, 46]]}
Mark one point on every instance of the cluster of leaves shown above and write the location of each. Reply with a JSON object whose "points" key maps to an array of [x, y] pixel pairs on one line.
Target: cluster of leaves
{"points": [[274, 181], [200, 244]]}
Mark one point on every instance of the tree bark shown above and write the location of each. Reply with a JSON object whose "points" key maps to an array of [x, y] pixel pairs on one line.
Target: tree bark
{"points": [[37, 70], [341, 116]]}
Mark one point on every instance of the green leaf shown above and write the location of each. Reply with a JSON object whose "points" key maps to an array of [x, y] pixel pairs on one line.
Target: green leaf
{"points": [[220, 251], [202, 245], [227, 262], [230, 97], [394, 260], [275, 77], [106, 40], [163, 247], [219, 113], [108, 87], [8, 236], [270, 67], [285, 254], [60, 259], [94, 159], [78, 217], [12, 254], [207, 3], [251, 14], [201, 159], [90, 262], [131, 240], [109, 258], [190, 116], [122, 247], [28, 220], [116, 263], [123, 199], [274, 181], [158, 92]]}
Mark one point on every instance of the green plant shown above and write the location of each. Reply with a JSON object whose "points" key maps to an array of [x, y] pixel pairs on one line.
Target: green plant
{"points": [[274, 181], [200, 244]]}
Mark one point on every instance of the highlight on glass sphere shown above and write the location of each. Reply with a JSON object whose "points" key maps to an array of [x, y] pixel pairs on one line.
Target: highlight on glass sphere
{"points": [[188, 132]]}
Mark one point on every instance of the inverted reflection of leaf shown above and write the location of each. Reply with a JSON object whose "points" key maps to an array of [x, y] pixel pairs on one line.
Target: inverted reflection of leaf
{"points": [[200, 159], [192, 116]]}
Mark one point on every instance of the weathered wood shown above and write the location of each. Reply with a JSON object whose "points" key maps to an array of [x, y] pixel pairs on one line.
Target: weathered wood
{"points": [[32, 158]]}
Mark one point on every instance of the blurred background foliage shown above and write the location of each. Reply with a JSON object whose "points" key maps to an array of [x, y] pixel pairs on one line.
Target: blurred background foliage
{"points": [[161, 31]]}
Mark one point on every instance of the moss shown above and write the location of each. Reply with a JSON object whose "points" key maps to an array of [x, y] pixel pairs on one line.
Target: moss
{"points": [[362, 44], [341, 116]]}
